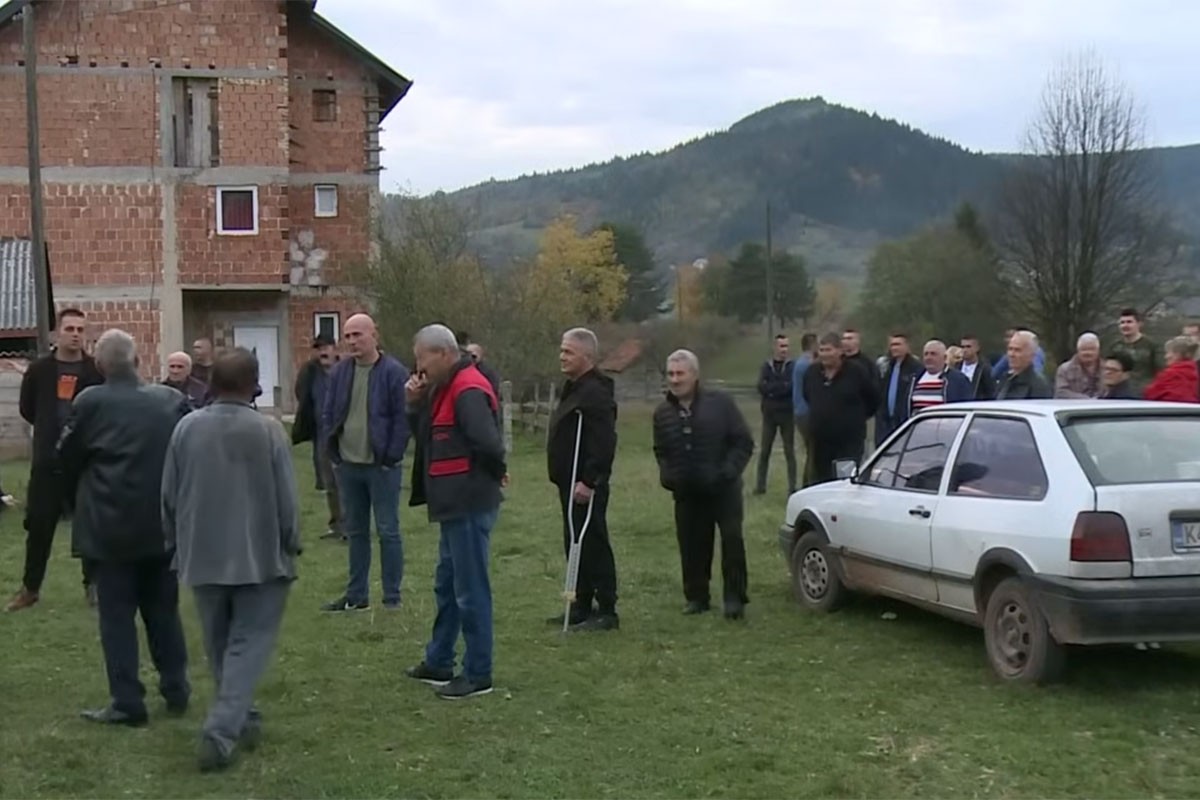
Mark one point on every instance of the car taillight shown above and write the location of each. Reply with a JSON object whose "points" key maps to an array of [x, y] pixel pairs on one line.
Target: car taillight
{"points": [[1100, 536]]}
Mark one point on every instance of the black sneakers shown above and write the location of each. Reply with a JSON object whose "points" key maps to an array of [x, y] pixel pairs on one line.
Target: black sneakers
{"points": [[426, 674], [342, 604], [598, 622], [460, 688]]}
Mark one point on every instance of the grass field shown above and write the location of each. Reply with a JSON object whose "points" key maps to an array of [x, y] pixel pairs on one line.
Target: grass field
{"points": [[785, 704]]}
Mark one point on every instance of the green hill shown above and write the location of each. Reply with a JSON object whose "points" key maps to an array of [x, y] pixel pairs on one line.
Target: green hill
{"points": [[839, 181]]}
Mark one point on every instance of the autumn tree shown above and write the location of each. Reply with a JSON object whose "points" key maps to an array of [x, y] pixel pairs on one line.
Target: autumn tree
{"points": [[1080, 233], [587, 264], [688, 299], [644, 290]]}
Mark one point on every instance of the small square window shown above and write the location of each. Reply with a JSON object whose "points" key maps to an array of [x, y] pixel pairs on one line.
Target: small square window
{"points": [[237, 211], [327, 324], [326, 199], [324, 102]]}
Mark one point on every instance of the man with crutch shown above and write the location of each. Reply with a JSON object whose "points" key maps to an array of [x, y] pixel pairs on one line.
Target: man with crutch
{"points": [[580, 450]]}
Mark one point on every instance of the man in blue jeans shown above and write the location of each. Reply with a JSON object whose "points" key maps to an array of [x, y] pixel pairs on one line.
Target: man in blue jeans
{"points": [[364, 418], [458, 471]]}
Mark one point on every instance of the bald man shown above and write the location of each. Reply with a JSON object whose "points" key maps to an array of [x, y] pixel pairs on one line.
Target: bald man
{"points": [[939, 384], [365, 424], [179, 377]]}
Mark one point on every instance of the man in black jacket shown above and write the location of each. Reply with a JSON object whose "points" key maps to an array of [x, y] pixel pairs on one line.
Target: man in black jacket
{"points": [[977, 371], [112, 451], [702, 445], [841, 398], [587, 397], [310, 388], [1023, 382], [458, 471], [775, 389], [47, 389], [902, 370]]}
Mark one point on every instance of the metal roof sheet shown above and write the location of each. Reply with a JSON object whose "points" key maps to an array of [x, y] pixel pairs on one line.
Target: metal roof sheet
{"points": [[18, 308]]}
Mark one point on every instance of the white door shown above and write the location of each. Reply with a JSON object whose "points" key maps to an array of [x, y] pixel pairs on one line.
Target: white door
{"points": [[264, 343]]}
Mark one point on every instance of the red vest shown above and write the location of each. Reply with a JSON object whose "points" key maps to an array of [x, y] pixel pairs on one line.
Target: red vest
{"points": [[448, 452]]}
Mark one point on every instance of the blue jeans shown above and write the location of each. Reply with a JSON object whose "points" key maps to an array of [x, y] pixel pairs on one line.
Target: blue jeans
{"points": [[365, 488], [464, 596]]}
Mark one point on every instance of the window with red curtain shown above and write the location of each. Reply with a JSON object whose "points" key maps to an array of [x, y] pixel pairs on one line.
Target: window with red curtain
{"points": [[238, 211]]}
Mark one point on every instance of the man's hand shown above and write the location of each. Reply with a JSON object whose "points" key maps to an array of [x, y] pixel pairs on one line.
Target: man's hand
{"points": [[414, 390], [504, 481], [583, 493]]}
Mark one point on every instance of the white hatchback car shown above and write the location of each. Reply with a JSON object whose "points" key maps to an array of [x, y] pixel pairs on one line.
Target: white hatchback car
{"points": [[1046, 522]]}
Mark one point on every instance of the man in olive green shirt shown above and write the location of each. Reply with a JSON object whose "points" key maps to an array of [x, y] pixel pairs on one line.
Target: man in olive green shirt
{"points": [[1146, 354]]}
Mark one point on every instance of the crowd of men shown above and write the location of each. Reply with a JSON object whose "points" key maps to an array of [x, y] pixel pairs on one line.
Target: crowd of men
{"points": [[831, 390]]}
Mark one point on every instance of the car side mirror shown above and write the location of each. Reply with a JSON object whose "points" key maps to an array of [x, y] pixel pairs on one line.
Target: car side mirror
{"points": [[846, 468]]}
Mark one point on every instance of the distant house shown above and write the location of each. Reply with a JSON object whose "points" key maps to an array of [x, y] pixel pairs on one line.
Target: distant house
{"points": [[210, 168]]}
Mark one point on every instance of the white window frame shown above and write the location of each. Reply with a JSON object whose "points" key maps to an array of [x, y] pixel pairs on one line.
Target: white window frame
{"points": [[317, 200], [337, 324], [221, 215]]}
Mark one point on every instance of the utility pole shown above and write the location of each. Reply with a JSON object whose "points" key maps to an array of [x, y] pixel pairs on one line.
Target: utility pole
{"points": [[37, 212], [770, 288]]}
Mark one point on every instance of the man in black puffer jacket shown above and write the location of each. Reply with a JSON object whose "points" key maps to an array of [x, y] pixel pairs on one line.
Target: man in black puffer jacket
{"points": [[702, 445]]}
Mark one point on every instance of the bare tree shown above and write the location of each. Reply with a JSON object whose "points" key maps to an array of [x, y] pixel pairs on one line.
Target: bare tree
{"points": [[1080, 230]]}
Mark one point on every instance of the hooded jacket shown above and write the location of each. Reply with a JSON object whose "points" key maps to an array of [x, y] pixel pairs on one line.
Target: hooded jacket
{"points": [[592, 395], [1178, 383]]}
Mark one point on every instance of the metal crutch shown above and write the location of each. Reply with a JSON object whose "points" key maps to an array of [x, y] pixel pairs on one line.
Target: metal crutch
{"points": [[576, 536]]}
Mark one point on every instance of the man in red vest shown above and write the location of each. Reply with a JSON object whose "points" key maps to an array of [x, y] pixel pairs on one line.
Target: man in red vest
{"points": [[458, 471]]}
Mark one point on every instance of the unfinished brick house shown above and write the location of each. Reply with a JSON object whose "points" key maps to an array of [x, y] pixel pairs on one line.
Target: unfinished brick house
{"points": [[210, 168]]}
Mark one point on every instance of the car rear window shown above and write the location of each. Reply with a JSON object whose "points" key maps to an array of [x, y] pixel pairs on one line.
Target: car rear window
{"points": [[1137, 449]]}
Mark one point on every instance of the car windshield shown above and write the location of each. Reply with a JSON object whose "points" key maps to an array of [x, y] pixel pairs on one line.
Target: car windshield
{"points": [[1137, 449]]}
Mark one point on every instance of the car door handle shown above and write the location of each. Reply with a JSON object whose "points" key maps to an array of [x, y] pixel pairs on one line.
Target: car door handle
{"points": [[920, 511]]}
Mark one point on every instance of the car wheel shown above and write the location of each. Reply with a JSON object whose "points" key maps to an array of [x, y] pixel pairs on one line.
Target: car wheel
{"points": [[1019, 644], [815, 580]]}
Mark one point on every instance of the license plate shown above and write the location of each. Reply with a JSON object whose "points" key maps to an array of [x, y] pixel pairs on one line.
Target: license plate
{"points": [[1185, 535]]}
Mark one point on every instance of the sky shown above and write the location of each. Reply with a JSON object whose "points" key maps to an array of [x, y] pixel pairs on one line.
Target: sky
{"points": [[508, 87]]}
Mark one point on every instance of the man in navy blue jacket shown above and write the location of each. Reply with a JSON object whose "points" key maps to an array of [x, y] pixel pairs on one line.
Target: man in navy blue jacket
{"points": [[938, 384], [366, 425]]}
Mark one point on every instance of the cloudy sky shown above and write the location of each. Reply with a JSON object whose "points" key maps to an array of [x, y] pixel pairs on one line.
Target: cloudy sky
{"points": [[506, 87]]}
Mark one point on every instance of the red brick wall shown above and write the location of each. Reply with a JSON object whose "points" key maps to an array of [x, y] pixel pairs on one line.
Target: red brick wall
{"points": [[85, 120], [253, 122], [209, 258], [226, 33], [97, 235], [346, 237]]}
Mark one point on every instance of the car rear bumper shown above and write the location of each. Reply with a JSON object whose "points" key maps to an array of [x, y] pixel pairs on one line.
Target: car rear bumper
{"points": [[787, 540], [1121, 611]]}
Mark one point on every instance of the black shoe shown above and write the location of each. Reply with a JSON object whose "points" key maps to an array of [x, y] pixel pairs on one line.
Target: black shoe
{"points": [[735, 609], [598, 622], [177, 708], [342, 604], [210, 758], [111, 716], [461, 688], [576, 617], [696, 607], [426, 674]]}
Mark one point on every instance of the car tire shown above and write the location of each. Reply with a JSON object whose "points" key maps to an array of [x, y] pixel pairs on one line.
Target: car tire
{"points": [[1020, 647], [816, 583]]}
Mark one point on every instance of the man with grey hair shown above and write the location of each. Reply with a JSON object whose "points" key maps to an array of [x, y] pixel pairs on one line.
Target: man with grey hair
{"points": [[365, 426], [580, 449], [702, 445], [938, 384], [180, 378], [1023, 381], [458, 470], [112, 452], [1079, 377]]}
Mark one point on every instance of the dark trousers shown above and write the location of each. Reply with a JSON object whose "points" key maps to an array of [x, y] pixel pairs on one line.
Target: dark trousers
{"points": [[802, 428], [597, 568], [44, 507], [781, 420], [240, 625], [696, 516], [827, 451], [148, 587], [327, 482]]}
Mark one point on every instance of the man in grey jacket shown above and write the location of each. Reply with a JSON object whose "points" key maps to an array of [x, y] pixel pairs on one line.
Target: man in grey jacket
{"points": [[229, 507]]}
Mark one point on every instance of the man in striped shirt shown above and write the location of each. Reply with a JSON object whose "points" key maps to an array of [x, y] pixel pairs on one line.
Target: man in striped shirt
{"points": [[938, 384]]}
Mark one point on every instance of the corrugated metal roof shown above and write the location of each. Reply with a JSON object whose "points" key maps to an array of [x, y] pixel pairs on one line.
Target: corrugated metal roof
{"points": [[18, 308]]}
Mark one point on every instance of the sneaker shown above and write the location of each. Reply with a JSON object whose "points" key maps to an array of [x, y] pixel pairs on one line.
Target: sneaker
{"points": [[391, 605], [331, 534], [426, 674], [210, 758], [461, 688], [22, 600], [598, 622], [342, 604]]}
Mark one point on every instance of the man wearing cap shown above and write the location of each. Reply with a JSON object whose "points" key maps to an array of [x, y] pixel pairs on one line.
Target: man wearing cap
{"points": [[311, 385]]}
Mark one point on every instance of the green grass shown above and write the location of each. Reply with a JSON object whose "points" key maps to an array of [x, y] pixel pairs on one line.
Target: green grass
{"points": [[787, 704]]}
